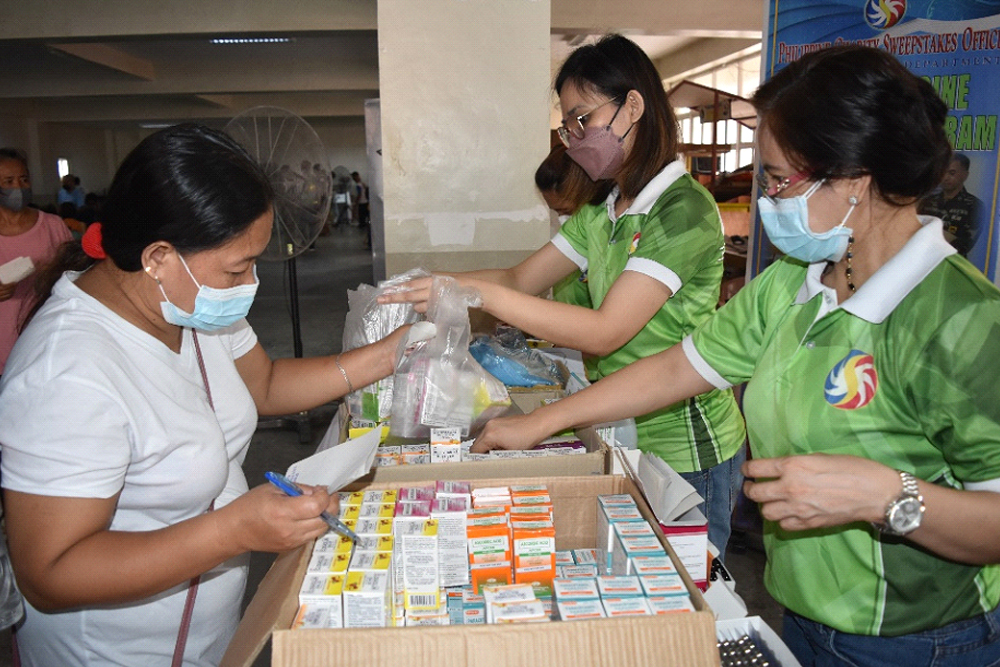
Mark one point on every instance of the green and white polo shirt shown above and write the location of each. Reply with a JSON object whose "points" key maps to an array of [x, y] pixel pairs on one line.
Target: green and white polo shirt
{"points": [[672, 233], [904, 373]]}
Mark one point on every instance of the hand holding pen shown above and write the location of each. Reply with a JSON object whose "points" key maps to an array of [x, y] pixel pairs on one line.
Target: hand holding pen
{"points": [[292, 489]]}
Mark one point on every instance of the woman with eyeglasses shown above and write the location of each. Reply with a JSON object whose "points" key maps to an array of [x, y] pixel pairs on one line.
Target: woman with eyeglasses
{"points": [[653, 255], [870, 354]]}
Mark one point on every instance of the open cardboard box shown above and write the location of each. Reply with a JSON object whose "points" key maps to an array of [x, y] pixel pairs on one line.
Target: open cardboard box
{"points": [[596, 461], [651, 641]]}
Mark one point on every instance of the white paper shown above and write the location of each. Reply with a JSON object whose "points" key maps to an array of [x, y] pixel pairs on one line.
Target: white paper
{"points": [[16, 270], [668, 494], [337, 466]]}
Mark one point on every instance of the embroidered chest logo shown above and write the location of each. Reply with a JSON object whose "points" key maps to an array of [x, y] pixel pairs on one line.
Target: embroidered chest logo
{"points": [[635, 243], [852, 382]]}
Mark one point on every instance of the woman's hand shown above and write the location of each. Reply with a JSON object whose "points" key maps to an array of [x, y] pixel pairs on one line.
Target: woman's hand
{"points": [[7, 290], [265, 519], [418, 292], [820, 490], [513, 432]]}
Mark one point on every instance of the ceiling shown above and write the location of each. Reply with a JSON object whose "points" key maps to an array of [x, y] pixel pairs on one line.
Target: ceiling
{"points": [[113, 64]]}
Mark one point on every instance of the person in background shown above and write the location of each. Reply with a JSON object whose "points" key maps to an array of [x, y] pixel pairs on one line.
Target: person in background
{"points": [[24, 232], [113, 504], [653, 255], [962, 212], [872, 391], [565, 187], [69, 214], [361, 196], [70, 191]]}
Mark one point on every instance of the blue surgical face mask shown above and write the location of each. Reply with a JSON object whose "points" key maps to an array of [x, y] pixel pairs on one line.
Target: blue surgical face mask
{"points": [[214, 308], [15, 199], [786, 222]]}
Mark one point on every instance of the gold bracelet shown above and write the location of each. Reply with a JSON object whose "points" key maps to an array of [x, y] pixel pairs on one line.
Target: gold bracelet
{"points": [[350, 387]]}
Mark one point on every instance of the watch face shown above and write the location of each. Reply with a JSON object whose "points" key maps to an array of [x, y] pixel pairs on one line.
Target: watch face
{"points": [[905, 515]]}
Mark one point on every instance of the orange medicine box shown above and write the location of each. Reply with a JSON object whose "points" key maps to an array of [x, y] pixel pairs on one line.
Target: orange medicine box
{"points": [[489, 552], [534, 547]]}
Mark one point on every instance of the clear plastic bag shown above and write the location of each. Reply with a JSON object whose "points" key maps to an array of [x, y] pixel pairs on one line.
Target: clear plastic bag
{"points": [[508, 358], [368, 321], [11, 602], [439, 384]]}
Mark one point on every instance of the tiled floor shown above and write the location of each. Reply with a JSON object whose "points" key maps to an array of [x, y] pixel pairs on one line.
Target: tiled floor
{"points": [[339, 263]]}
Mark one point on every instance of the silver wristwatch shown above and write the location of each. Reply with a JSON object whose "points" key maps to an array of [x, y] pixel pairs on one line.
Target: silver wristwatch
{"points": [[903, 515]]}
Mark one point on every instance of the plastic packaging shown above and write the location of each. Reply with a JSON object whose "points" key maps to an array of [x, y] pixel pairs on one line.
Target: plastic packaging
{"points": [[508, 358], [439, 384], [11, 603], [366, 322]]}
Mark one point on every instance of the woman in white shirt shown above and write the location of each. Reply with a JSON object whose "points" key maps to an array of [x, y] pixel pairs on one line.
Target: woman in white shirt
{"points": [[127, 407]]}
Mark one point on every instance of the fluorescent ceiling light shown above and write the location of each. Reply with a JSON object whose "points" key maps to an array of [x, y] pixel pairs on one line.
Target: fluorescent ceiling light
{"points": [[155, 126], [251, 40]]}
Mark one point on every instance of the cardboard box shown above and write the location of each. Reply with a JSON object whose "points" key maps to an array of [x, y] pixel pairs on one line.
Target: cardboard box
{"points": [[597, 460], [647, 641]]}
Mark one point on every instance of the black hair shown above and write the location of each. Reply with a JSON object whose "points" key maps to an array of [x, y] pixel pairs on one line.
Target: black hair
{"points": [[189, 185], [612, 67], [13, 154], [558, 173], [962, 159], [848, 111]]}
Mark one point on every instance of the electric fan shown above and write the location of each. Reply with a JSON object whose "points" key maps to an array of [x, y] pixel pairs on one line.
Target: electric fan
{"points": [[294, 159]]}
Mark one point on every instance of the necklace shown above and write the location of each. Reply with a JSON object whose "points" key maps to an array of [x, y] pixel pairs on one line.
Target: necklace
{"points": [[849, 272]]}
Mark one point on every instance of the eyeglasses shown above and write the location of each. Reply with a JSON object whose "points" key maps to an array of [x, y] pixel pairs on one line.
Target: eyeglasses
{"points": [[577, 124], [772, 192]]}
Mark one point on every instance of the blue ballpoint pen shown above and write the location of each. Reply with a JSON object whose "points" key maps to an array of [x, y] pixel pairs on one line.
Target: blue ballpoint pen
{"points": [[292, 489]]}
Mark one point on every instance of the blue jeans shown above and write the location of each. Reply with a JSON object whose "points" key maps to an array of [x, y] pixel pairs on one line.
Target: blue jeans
{"points": [[720, 486], [974, 642]]}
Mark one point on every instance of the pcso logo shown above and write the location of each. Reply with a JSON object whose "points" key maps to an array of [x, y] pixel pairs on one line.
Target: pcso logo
{"points": [[635, 243], [883, 14], [852, 382]]}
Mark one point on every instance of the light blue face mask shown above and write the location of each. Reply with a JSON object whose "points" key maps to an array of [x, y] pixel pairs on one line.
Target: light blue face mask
{"points": [[214, 308], [786, 222]]}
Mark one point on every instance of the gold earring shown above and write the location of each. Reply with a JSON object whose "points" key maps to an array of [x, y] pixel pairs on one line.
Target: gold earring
{"points": [[149, 272]]}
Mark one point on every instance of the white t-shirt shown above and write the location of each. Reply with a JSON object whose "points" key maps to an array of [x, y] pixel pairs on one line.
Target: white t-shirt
{"points": [[90, 406]]}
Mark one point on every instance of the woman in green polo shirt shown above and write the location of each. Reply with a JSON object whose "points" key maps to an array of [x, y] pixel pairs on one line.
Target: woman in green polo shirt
{"points": [[653, 256], [870, 355]]}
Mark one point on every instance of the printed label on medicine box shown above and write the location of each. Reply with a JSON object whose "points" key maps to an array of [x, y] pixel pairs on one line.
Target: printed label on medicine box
{"points": [[367, 597], [332, 542], [565, 558], [418, 619], [452, 488], [350, 498], [616, 499], [579, 610], [532, 611], [374, 526], [329, 562], [321, 587], [379, 496], [453, 551], [652, 565], [421, 581], [319, 616], [628, 606], [415, 493], [578, 571], [372, 543], [628, 548], [671, 604], [575, 589], [349, 512], [616, 587], [529, 490], [370, 560], [498, 595], [413, 508], [375, 510], [474, 616], [658, 585], [585, 556]]}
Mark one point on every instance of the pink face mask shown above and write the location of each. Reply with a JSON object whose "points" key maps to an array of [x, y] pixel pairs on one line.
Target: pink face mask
{"points": [[600, 152]]}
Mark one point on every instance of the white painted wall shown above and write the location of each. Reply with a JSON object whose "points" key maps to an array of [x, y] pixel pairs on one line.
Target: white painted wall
{"points": [[464, 87]]}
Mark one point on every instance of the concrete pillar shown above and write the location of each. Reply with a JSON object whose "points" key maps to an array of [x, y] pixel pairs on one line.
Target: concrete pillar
{"points": [[465, 97]]}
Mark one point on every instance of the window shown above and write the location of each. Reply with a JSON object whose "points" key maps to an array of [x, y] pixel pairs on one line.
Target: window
{"points": [[62, 164]]}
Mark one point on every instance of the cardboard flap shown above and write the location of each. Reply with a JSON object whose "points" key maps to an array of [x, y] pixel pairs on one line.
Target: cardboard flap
{"points": [[628, 642], [271, 608]]}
